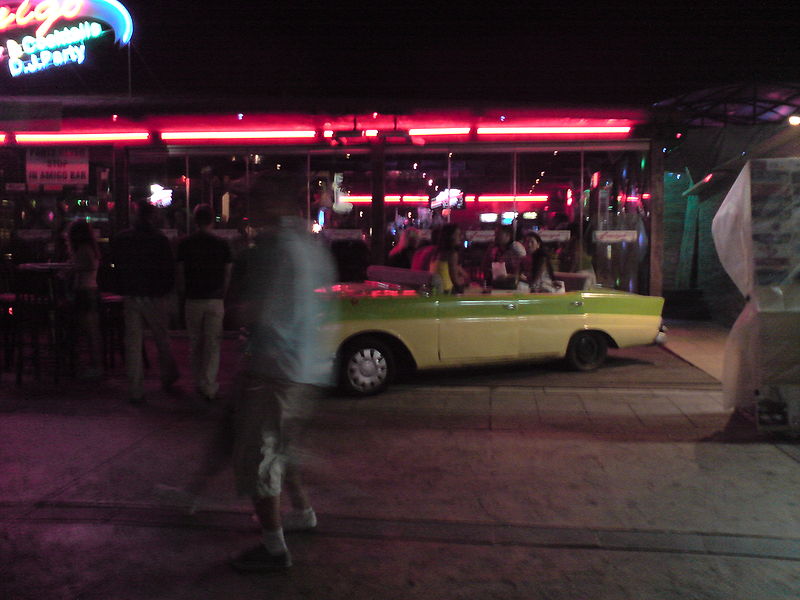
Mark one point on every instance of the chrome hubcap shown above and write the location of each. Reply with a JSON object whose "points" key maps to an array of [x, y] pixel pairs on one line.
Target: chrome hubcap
{"points": [[367, 369]]}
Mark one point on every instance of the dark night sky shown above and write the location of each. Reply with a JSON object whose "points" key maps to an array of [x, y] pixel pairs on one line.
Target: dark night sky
{"points": [[501, 52]]}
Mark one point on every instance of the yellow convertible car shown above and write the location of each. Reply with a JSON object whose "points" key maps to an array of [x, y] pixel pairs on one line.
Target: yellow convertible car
{"points": [[384, 328]]}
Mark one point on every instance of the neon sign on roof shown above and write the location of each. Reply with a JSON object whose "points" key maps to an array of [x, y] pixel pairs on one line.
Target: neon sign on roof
{"points": [[63, 28]]}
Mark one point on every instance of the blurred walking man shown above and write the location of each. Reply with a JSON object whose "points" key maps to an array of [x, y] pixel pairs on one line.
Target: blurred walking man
{"points": [[204, 273], [285, 361], [144, 274]]}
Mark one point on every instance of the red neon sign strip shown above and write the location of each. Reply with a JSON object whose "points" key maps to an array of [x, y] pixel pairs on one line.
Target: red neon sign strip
{"points": [[549, 130], [386, 199], [440, 131], [424, 199], [527, 198], [60, 138], [236, 135]]}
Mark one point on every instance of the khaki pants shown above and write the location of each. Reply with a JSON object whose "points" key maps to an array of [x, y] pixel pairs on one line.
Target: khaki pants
{"points": [[270, 417], [141, 312], [204, 326]]}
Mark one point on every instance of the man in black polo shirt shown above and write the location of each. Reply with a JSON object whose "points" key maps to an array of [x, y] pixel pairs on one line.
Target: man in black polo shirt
{"points": [[144, 274], [204, 271]]}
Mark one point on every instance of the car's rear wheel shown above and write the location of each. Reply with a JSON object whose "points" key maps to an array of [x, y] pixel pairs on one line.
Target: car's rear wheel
{"points": [[367, 365], [586, 351]]}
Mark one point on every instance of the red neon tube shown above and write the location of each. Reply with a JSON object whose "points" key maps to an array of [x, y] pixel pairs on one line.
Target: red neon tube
{"points": [[424, 199], [439, 131], [550, 130], [170, 136], [61, 138], [527, 198]]}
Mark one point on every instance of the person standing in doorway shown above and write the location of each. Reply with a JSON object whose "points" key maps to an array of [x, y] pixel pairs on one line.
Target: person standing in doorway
{"points": [[204, 274], [144, 274]]}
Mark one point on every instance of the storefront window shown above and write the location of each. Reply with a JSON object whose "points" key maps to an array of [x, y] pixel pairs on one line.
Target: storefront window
{"points": [[41, 196], [341, 191], [162, 179], [617, 218], [548, 202], [341, 197]]}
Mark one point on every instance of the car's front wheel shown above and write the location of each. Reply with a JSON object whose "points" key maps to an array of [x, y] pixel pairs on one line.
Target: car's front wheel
{"points": [[586, 351], [366, 366]]}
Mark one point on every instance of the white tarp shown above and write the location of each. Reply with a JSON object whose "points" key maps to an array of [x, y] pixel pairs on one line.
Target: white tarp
{"points": [[732, 233], [757, 236]]}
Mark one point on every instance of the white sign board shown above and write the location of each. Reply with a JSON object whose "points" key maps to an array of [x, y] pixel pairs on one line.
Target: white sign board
{"points": [[558, 235], [616, 237], [34, 234], [343, 234], [57, 166], [479, 236]]}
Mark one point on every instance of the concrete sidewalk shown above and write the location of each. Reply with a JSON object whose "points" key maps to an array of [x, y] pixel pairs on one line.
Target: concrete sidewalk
{"points": [[701, 343], [428, 491]]}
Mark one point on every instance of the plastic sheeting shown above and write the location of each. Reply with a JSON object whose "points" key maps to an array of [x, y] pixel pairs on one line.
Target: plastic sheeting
{"points": [[757, 236], [732, 231]]}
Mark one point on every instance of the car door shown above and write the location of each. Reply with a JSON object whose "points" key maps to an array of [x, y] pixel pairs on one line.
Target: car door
{"points": [[547, 321], [478, 328]]}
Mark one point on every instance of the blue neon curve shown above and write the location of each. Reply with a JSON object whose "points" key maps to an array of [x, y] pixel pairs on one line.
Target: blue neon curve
{"points": [[113, 13]]}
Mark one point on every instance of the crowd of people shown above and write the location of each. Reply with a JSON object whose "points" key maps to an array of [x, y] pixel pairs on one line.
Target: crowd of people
{"points": [[508, 264], [283, 363]]}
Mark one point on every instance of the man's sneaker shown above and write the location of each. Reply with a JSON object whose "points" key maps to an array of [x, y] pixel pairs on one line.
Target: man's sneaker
{"points": [[299, 520], [259, 560]]}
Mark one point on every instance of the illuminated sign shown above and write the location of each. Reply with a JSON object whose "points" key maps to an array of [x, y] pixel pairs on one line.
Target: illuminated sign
{"points": [[160, 196], [554, 235], [62, 166], [64, 29], [615, 237], [450, 198]]}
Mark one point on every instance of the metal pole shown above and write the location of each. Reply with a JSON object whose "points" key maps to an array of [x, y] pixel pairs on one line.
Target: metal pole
{"points": [[449, 161], [449, 154], [514, 192], [247, 184], [188, 190], [308, 191], [378, 159], [580, 214], [130, 79]]}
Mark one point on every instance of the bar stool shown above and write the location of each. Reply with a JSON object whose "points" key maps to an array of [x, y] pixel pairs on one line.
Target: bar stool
{"points": [[7, 298], [42, 324], [112, 328]]}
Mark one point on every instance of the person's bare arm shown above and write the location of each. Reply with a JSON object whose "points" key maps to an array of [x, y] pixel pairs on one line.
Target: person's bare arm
{"points": [[457, 274]]}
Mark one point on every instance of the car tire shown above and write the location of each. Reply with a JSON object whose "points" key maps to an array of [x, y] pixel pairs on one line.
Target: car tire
{"points": [[366, 366], [586, 351]]}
